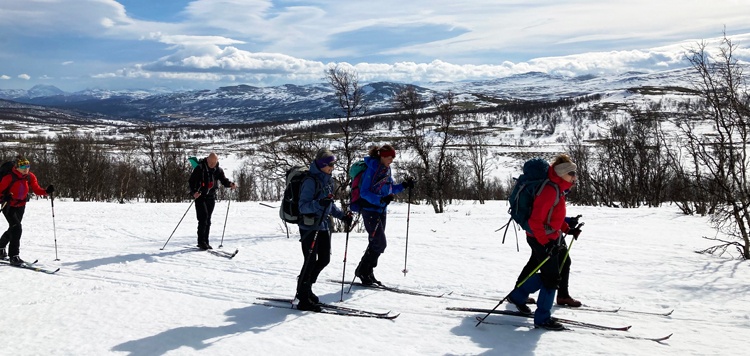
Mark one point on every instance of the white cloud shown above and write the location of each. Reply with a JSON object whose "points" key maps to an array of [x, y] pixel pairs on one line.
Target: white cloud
{"points": [[4, 77], [67, 63], [24, 76]]}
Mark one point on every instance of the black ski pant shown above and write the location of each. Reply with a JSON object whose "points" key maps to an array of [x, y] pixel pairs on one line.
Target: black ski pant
{"points": [[550, 271], [13, 215], [375, 227], [316, 249], [204, 208]]}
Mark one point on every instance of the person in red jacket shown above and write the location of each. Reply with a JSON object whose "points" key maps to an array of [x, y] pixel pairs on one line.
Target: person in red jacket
{"points": [[547, 223], [15, 188]]}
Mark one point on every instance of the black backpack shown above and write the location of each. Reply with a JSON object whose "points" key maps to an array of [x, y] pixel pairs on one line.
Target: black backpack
{"points": [[289, 209]]}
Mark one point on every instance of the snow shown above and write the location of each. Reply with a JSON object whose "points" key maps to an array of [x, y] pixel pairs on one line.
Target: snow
{"points": [[118, 293]]}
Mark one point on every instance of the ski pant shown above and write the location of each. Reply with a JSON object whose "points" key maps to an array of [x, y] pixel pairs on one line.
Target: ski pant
{"points": [[204, 208], [375, 227], [13, 215], [546, 282], [316, 248], [564, 275]]}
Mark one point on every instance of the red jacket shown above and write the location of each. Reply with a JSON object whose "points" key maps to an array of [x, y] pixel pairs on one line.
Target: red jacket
{"points": [[19, 190], [542, 205]]}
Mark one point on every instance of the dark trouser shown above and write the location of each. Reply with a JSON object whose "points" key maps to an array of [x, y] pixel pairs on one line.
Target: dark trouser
{"points": [[13, 215], [204, 207], [315, 260], [564, 271], [546, 282], [375, 227]]}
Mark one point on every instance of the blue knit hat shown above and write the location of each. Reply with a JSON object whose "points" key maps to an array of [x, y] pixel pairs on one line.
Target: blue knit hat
{"points": [[324, 158]]}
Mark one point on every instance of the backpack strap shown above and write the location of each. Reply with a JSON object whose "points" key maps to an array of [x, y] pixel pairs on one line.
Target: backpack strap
{"points": [[547, 228]]}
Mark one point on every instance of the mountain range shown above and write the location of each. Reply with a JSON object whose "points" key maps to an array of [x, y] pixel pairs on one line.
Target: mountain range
{"points": [[248, 104]]}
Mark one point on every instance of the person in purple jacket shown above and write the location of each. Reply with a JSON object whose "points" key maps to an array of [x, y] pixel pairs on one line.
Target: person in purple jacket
{"points": [[376, 192]]}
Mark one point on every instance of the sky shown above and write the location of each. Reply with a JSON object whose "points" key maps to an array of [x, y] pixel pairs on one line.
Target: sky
{"points": [[144, 44]]}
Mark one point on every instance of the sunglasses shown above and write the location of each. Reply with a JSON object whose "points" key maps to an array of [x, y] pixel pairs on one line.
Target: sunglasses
{"points": [[332, 164], [25, 166], [572, 173]]}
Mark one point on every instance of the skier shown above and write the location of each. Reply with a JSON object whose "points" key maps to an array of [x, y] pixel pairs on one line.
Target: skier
{"points": [[316, 205], [545, 242], [376, 192], [15, 187], [203, 186]]}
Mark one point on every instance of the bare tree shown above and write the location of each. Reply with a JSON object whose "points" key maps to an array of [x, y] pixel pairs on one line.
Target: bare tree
{"points": [[722, 164], [349, 93], [479, 160]]}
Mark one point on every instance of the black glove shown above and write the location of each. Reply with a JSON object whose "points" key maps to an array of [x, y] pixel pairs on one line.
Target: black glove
{"points": [[574, 232], [386, 199], [325, 202], [409, 183], [50, 189], [572, 222], [348, 218], [552, 247]]}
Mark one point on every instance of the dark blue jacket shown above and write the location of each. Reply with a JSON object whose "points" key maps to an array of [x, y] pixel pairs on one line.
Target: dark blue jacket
{"points": [[376, 185], [309, 199]]}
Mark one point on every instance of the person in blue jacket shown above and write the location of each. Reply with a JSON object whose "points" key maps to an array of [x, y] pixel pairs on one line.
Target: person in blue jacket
{"points": [[316, 205], [376, 191]]}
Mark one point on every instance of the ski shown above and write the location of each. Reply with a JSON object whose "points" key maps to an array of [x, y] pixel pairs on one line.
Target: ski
{"points": [[562, 320], [331, 311], [618, 336], [390, 289], [329, 306], [225, 254], [32, 267], [588, 308], [648, 313]]}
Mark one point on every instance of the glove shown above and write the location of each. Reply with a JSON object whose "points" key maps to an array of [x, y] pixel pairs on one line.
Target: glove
{"points": [[409, 183], [552, 247], [572, 222], [325, 202], [574, 232], [386, 199], [348, 218], [50, 189]]}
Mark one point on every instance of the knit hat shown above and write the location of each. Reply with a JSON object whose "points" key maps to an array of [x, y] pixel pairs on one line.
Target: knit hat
{"points": [[564, 168], [324, 157], [21, 161]]}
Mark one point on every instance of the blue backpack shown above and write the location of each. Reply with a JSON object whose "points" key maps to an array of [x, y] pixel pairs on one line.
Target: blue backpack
{"points": [[528, 186]]}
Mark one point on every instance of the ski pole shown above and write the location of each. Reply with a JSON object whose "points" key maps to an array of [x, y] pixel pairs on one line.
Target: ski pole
{"points": [[408, 215], [568, 250], [517, 286], [178, 225], [54, 229], [221, 244], [343, 273]]}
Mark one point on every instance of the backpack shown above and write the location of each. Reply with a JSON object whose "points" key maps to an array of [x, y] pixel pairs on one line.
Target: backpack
{"points": [[289, 209], [356, 171], [528, 186], [6, 169], [193, 161]]}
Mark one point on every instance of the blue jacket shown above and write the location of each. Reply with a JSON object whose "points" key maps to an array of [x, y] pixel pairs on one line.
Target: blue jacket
{"points": [[309, 200], [376, 183]]}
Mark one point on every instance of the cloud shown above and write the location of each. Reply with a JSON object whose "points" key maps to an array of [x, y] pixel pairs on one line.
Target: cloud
{"points": [[24, 76], [67, 63], [4, 77]]}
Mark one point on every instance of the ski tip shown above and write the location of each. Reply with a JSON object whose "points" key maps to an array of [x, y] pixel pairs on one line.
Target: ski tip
{"points": [[627, 327], [668, 314]]}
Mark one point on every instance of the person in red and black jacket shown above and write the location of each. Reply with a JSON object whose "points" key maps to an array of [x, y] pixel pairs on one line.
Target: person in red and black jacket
{"points": [[15, 188], [203, 188], [547, 223]]}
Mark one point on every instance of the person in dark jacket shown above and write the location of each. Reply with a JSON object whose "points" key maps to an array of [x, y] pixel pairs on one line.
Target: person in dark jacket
{"points": [[203, 184], [16, 187], [547, 223], [316, 205], [376, 191]]}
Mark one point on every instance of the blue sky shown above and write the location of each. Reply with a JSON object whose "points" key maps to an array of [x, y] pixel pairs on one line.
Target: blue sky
{"points": [[79, 44]]}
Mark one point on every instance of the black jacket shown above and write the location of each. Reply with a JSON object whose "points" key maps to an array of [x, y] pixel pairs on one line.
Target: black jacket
{"points": [[203, 179]]}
